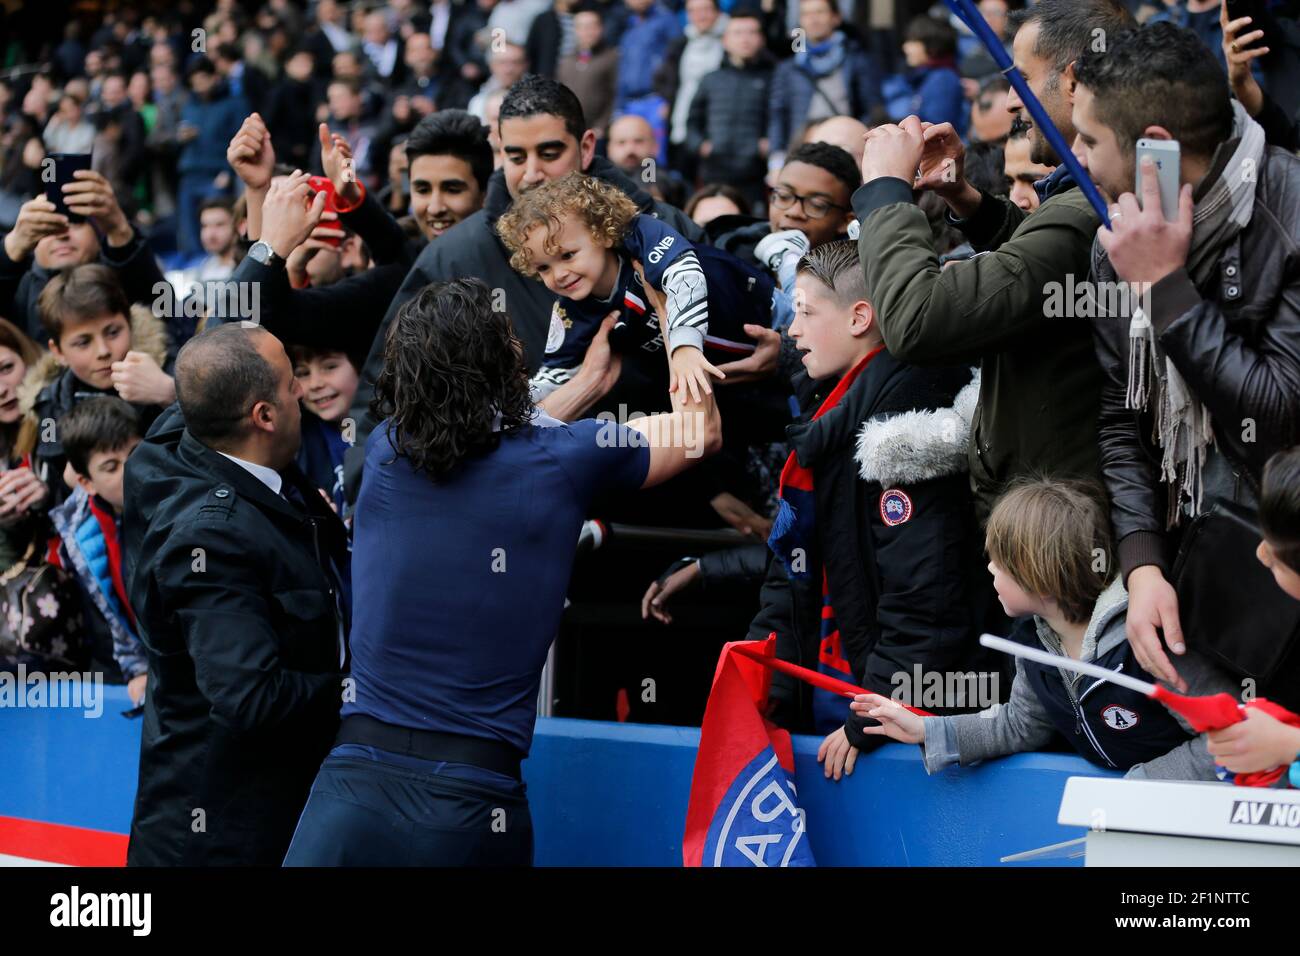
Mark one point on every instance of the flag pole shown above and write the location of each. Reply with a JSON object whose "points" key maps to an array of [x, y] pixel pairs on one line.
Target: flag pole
{"points": [[815, 678], [1213, 712], [971, 16], [1069, 663]]}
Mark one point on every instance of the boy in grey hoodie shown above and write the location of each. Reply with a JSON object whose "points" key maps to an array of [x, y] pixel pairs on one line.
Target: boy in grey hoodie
{"points": [[1050, 555]]}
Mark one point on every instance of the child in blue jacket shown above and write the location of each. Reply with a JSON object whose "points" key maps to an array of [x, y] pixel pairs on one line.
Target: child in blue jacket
{"points": [[98, 436]]}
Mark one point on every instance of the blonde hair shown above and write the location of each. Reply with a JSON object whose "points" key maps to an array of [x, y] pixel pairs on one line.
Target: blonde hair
{"points": [[604, 209], [1053, 538]]}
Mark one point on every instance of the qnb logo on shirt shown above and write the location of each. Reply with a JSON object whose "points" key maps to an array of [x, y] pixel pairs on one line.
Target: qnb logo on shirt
{"points": [[661, 247], [1119, 718]]}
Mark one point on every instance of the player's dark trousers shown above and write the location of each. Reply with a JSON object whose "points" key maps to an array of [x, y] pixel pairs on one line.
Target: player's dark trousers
{"points": [[366, 812]]}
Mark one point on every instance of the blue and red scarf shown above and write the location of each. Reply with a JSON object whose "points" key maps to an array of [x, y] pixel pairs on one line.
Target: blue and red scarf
{"points": [[792, 533]]}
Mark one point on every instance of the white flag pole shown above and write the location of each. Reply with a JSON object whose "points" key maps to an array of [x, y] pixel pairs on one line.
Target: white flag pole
{"points": [[1069, 663]]}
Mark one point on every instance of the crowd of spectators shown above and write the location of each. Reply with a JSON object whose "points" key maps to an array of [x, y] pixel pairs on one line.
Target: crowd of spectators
{"points": [[872, 239]]}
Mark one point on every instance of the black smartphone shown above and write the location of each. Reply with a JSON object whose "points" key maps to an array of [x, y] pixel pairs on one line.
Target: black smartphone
{"points": [[65, 164], [1246, 8]]}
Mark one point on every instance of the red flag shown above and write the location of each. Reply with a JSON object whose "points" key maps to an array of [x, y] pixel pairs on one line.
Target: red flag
{"points": [[742, 809]]}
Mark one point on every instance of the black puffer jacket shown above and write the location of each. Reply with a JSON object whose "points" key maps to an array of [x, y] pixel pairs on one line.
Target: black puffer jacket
{"points": [[729, 111], [1236, 342], [906, 593]]}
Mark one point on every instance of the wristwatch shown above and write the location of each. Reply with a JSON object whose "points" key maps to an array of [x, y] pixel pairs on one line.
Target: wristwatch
{"points": [[263, 253]]}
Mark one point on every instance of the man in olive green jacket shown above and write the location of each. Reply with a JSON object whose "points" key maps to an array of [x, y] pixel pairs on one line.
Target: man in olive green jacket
{"points": [[1010, 307]]}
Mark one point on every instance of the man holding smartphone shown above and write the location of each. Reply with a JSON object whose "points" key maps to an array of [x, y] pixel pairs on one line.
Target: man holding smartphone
{"points": [[1209, 361], [43, 241]]}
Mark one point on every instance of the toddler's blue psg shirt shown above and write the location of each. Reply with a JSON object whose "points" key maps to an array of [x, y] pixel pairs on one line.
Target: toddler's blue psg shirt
{"points": [[710, 294]]}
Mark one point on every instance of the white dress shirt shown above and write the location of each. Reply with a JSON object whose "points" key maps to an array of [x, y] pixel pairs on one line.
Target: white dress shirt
{"points": [[267, 476]]}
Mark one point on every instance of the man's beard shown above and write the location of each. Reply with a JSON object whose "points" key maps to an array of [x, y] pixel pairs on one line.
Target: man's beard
{"points": [[1040, 150]]}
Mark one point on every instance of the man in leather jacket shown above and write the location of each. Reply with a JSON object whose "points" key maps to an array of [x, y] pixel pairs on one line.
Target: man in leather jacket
{"points": [[1219, 355]]}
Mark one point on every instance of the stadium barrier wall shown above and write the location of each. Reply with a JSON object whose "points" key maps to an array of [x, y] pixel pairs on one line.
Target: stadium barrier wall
{"points": [[602, 794]]}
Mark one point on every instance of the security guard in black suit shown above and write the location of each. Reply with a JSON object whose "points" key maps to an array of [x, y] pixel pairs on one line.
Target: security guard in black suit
{"points": [[237, 570]]}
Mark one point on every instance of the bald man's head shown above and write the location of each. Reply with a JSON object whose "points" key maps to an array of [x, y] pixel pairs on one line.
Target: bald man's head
{"points": [[233, 382], [843, 131], [631, 142]]}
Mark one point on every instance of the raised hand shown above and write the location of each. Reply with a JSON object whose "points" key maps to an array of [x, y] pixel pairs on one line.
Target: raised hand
{"points": [[290, 213], [251, 154], [37, 219], [336, 159], [90, 195]]}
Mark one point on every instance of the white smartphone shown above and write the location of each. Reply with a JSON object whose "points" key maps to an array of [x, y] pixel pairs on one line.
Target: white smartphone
{"points": [[1165, 154]]}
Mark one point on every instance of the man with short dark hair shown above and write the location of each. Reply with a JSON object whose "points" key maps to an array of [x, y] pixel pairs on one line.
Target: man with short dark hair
{"points": [[450, 162], [1202, 363], [1020, 172], [809, 205], [237, 571]]}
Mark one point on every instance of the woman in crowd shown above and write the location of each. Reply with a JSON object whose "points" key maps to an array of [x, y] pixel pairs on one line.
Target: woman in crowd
{"points": [[21, 492]]}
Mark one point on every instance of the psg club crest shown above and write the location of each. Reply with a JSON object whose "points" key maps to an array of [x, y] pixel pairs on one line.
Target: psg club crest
{"points": [[758, 822], [560, 322], [743, 809], [895, 507]]}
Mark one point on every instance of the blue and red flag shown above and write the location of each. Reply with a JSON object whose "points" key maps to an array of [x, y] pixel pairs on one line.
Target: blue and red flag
{"points": [[743, 809]]}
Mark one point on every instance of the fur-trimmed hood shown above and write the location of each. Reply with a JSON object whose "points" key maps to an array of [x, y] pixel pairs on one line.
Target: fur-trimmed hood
{"points": [[148, 335], [908, 447]]}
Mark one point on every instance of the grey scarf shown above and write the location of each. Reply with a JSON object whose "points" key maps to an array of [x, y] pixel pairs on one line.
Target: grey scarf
{"points": [[1182, 422]]}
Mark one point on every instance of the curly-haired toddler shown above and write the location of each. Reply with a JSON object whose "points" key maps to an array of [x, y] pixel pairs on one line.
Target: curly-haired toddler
{"points": [[582, 236]]}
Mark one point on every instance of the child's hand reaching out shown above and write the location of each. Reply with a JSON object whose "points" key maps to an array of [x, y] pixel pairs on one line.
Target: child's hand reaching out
{"points": [[689, 371], [896, 721], [1260, 742]]}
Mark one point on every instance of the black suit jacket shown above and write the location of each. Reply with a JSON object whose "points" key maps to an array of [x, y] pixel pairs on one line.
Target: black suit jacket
{"points": [[236, 603]]}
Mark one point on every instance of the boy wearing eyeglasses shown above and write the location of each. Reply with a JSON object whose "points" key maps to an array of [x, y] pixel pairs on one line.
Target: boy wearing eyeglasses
{"points": [[587, 243], [810, 205]]}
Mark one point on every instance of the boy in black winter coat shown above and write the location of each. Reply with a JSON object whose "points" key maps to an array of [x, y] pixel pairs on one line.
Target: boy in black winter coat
{"points": [[877, 577]]}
